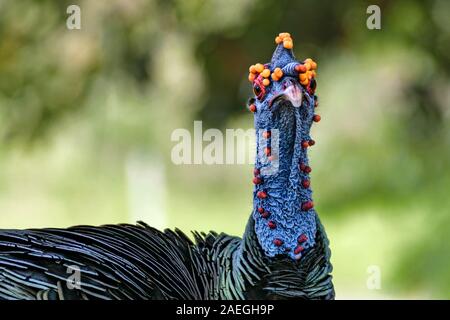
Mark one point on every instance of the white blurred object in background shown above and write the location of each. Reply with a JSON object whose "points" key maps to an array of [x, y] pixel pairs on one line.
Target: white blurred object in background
{"points": [[146, 184]]}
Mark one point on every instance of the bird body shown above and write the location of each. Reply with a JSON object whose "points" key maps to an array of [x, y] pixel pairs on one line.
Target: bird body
{"points": [[283, 254], [140, 262]]}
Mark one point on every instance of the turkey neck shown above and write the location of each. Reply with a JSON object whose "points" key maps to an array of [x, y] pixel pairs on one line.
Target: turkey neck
{"points": [[285, 221]]}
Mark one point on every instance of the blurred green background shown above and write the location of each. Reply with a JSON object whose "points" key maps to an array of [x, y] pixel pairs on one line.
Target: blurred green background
{"points": [[86, 117]]}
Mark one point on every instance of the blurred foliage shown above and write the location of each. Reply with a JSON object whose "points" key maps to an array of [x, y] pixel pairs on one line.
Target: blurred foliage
{"points": [[74, 105]]}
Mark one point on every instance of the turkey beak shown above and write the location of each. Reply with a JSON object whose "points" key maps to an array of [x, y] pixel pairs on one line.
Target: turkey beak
{"points": [[292, 92]]}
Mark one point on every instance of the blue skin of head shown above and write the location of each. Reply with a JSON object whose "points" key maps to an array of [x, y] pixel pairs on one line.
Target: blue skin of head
{"points": [[285, 193]]}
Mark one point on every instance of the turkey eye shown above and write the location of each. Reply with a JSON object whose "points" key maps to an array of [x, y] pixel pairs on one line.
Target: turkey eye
{"points": [[257, 90]]}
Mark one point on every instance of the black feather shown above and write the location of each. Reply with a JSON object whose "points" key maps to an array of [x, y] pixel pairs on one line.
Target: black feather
{"points": [[139, 262]]}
